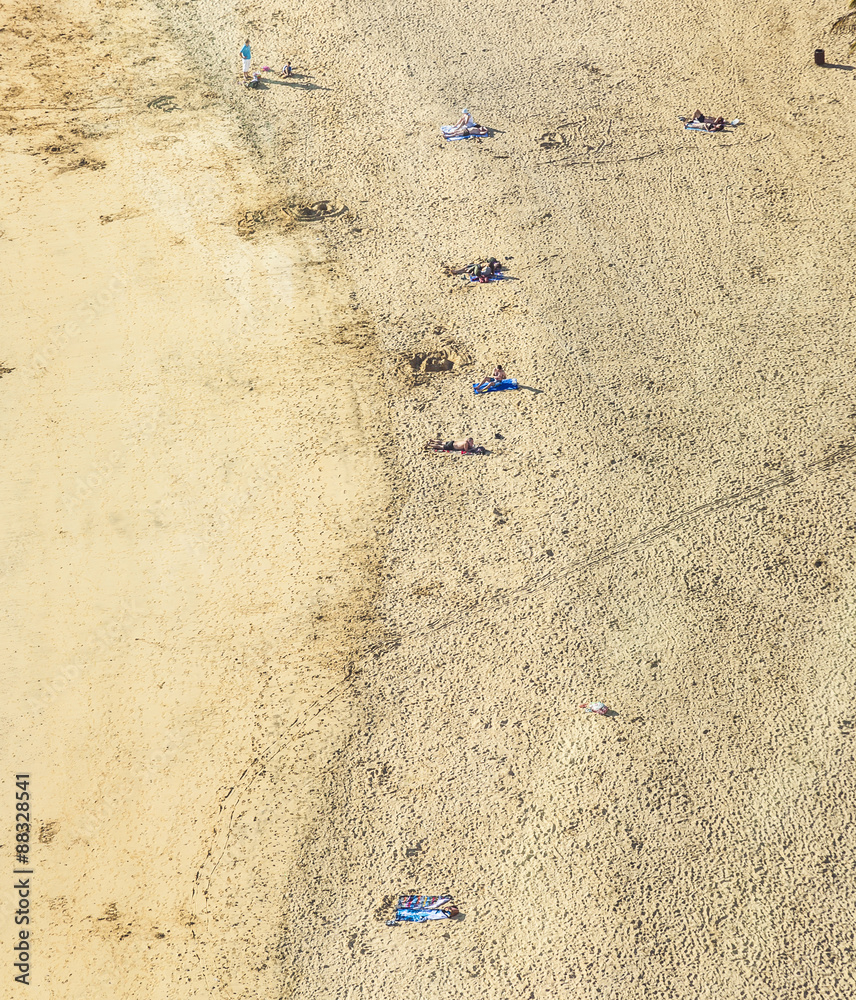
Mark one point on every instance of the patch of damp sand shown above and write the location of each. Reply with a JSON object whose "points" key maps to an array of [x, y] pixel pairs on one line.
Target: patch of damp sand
{"points": [[192, 523]]}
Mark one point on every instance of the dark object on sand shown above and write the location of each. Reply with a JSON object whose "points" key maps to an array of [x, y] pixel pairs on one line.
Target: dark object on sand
{"points": [[819, 57], [419, 909]]}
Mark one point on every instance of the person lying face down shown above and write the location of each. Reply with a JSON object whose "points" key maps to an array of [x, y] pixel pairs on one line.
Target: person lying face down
{"points": [[467, 447], [435, 444], [469, 130], [493, 267]]}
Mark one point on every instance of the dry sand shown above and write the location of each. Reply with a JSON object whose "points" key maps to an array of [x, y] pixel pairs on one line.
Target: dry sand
{"points": [[268, 663]]}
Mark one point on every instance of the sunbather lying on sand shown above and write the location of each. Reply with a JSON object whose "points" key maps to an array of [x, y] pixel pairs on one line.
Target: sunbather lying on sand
{"points": [[701, 121], [478, 269], [471, 130], [464, 447], [498, 376], [465, 125], [435, 444]]}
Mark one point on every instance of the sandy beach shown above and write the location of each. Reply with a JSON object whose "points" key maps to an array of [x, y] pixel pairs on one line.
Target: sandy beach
{"points": [[270, 664]]}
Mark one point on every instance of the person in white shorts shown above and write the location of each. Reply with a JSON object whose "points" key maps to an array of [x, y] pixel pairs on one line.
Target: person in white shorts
{"points": [[246, 58]]}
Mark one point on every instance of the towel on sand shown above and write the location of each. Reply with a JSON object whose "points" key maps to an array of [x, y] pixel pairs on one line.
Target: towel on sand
{"points": [[420, 916], [506, 383], [446, 129], [423, 902], [418, 909]]}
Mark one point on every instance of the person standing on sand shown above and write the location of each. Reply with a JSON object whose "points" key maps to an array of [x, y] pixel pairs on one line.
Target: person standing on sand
{"points": [[246, 57]]}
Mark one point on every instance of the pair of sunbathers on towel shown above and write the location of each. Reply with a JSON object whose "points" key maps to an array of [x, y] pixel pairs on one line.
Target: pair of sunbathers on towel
{"points": [[450, 447], [704, 123]]}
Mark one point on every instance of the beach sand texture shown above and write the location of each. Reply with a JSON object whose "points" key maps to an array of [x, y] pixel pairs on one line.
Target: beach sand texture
{"points": [[268, 663]]}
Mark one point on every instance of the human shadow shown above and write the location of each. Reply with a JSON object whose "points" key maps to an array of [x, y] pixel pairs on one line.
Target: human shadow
{"points": [[836, 66], [530, 388], [727, 130], [289, 81], [483, 453]]}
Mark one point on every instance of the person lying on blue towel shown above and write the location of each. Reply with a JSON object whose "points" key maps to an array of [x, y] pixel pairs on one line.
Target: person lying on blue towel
{"points": [[704, 123], [465, 125]]}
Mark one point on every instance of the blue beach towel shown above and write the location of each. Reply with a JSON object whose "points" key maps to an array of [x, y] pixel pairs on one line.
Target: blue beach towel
{"points": [[418, 909], [423, 902], [420, 916], [506, 383]]}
